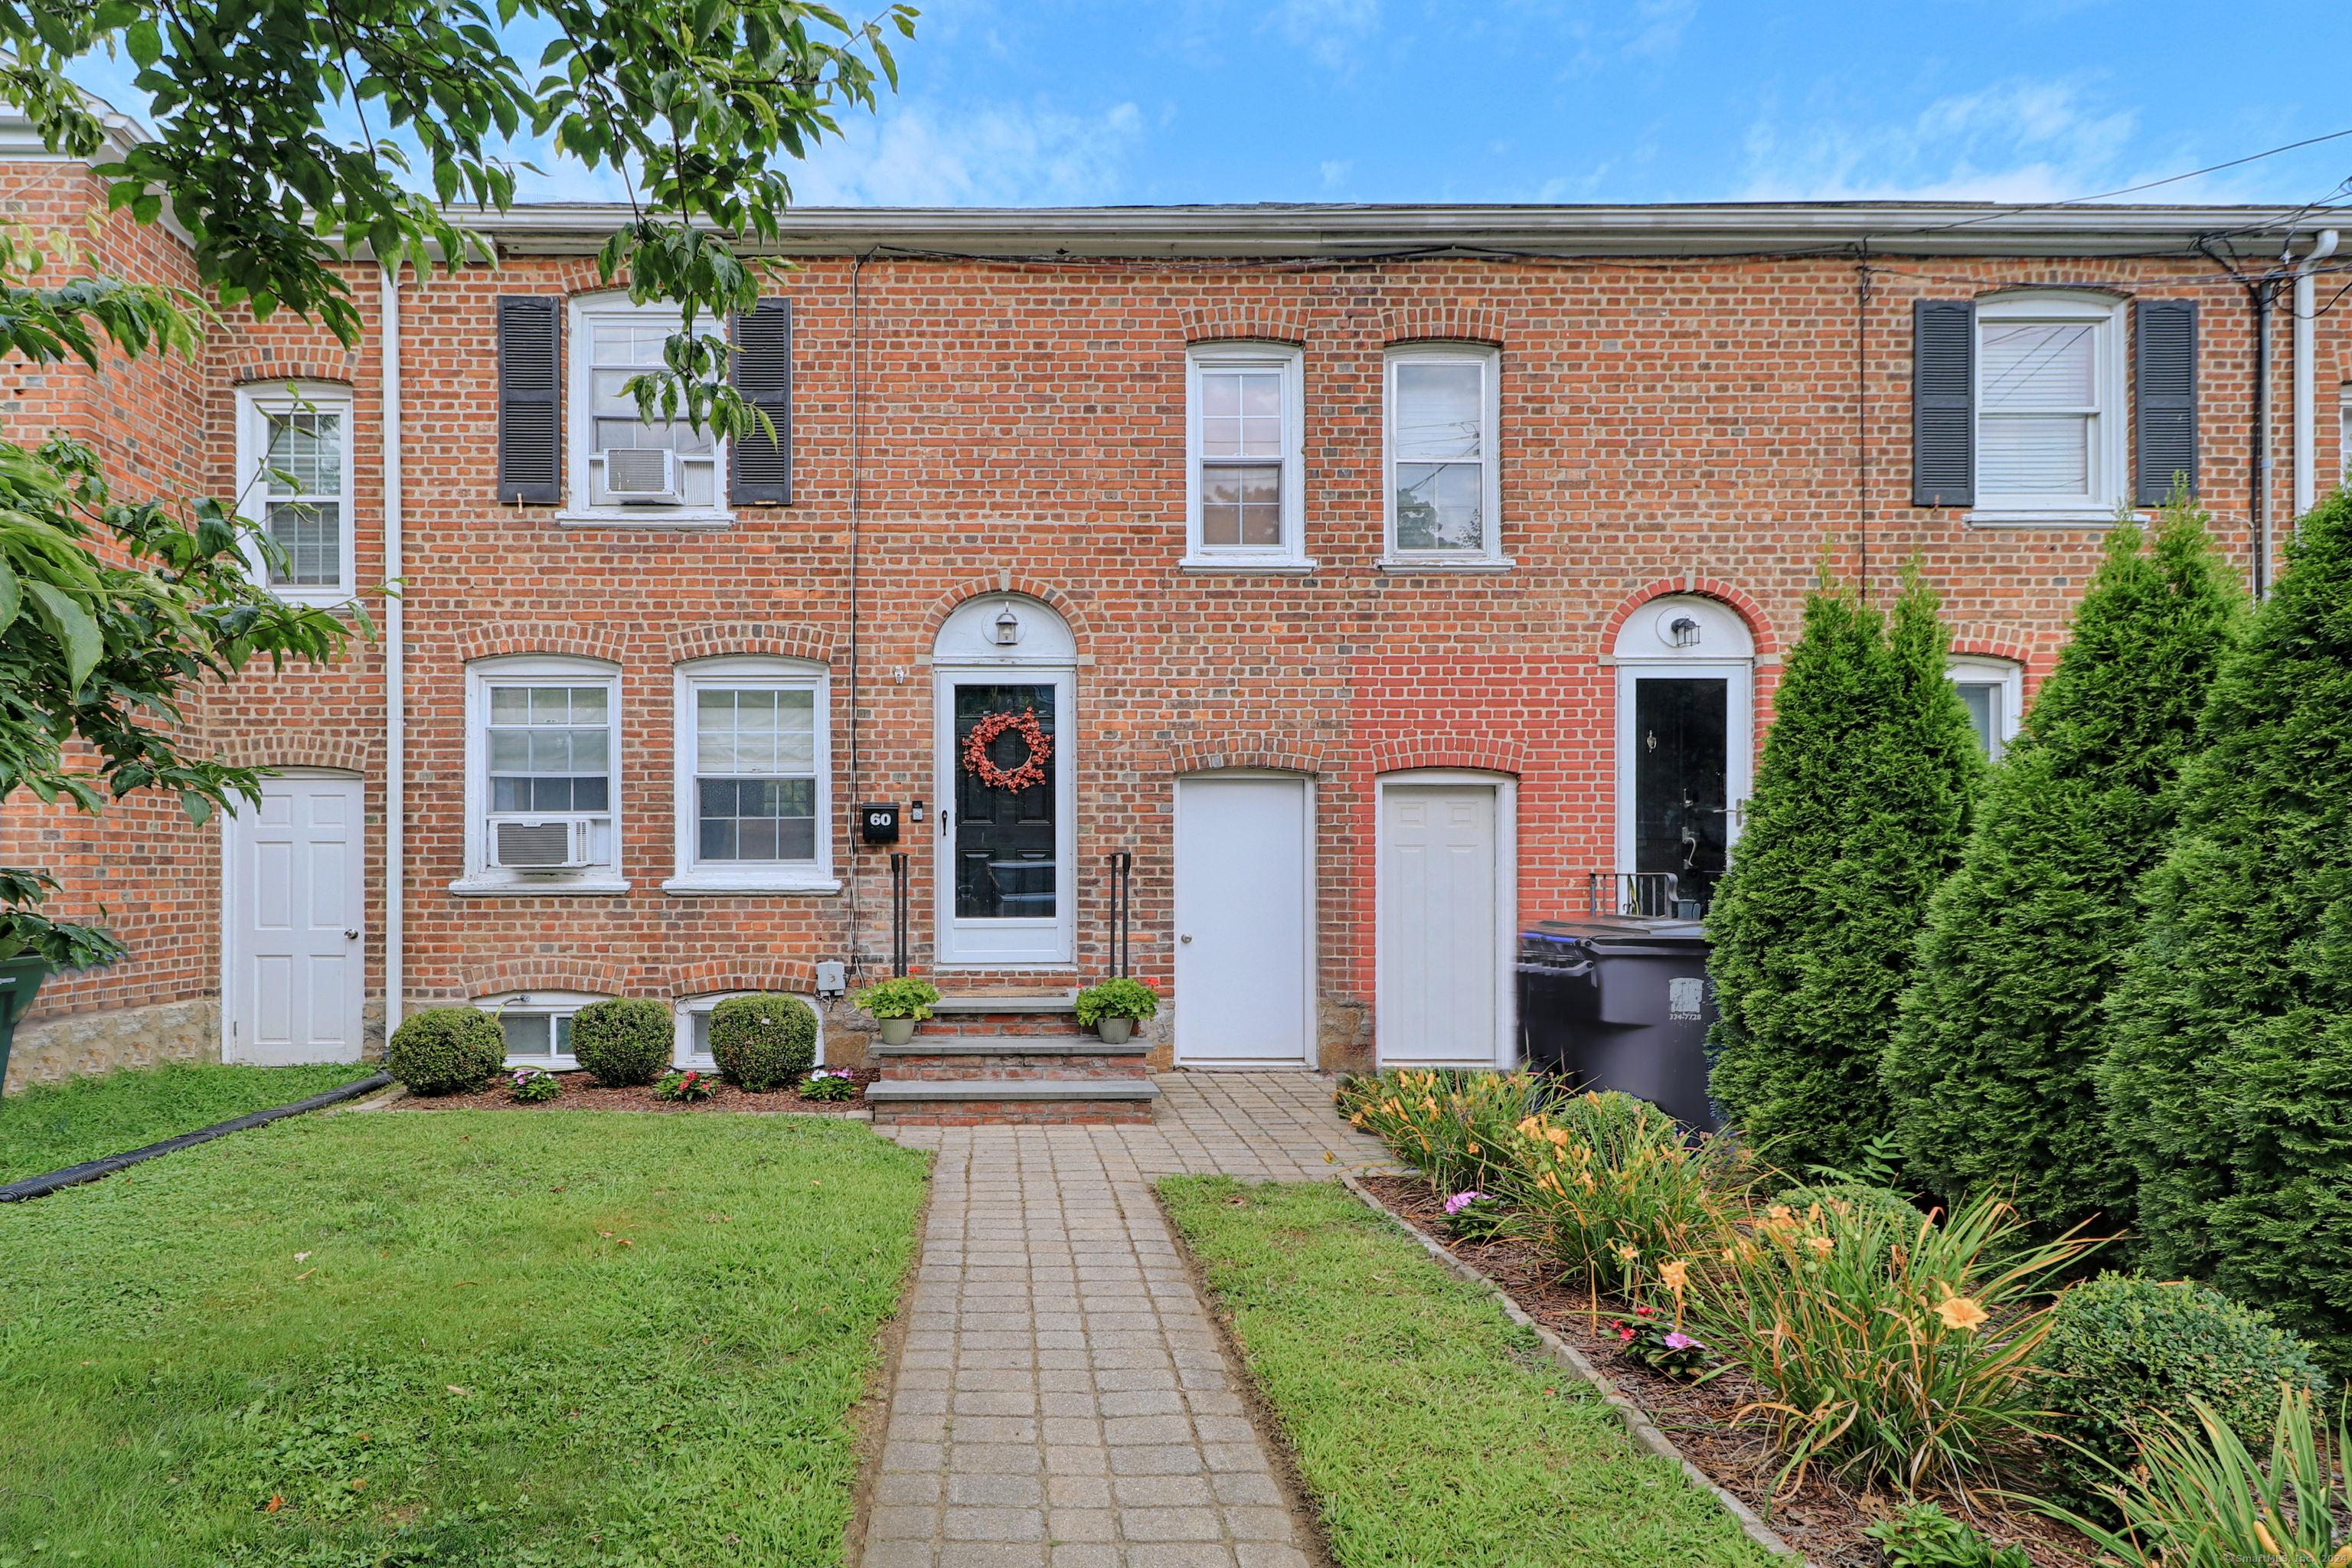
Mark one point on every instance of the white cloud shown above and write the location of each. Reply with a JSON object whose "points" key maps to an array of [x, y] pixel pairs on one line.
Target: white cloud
{"points": [[1329, 30], [1335, 172], [920, 154], [1661, 25], [2014, 140]]}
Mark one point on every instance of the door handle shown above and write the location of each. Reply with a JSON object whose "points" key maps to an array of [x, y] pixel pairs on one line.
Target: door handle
{"points": [[1184, 939], [350, 936]]}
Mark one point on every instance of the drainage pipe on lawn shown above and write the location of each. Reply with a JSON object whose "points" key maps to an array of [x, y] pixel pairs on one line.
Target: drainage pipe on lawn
{"points": [[91, 1169]]}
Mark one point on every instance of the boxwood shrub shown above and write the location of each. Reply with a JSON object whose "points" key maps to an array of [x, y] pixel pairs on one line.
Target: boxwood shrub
{"points": [[625, 1042], [2127, 1350], [1861, 1199], [764, 1042], [447, 1051]]}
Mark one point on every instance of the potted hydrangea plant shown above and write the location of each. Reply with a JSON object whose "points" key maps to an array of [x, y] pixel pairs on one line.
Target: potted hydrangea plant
{"points": [[1112, 1008], [899, 1005]]}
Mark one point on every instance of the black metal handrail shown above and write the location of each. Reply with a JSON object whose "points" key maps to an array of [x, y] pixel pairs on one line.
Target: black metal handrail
{"points": [[898, 878], [1122, 906]]}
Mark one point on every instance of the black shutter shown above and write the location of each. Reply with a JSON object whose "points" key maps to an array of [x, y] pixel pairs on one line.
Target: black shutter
{"points": [[2165, 408], [1943, 403], [530, 363], [762, 370]]}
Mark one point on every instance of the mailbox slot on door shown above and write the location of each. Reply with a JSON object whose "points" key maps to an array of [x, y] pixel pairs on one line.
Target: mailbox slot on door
{"points": [[878, 823]]}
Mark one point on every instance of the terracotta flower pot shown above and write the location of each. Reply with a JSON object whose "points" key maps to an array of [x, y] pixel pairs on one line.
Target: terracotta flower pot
{"points": [[1115, 1031], [896, 1031]]}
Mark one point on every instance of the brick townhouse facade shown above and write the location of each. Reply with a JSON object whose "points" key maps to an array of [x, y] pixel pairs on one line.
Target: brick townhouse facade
{"points": [[1371, 576]]}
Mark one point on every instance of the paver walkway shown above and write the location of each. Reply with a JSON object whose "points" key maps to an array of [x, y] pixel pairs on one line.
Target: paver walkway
{"points": [[1061, 1400]]}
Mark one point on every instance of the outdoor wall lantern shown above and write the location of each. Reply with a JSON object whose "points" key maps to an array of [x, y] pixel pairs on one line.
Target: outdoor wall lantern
{"points": [[1008, 629], [1684, 632]]}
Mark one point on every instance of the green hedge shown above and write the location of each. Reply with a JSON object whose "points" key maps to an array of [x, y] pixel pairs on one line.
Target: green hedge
{"points": [[764, 1042], [626, 1041], [447, 1051]]}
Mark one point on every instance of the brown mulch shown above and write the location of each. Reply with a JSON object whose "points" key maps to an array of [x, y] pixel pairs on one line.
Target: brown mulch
{"points": [[1824, 1518], [583, 1092]]}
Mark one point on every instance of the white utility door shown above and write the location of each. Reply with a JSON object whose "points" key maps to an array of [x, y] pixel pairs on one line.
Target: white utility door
{"points": [[1438, 944], [296, 965], [1245, 921]]}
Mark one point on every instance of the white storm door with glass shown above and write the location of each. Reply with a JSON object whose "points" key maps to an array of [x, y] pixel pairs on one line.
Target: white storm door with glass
{"points": [[296, 961], [1007, 879], [1442, 881], [1245, 941]]}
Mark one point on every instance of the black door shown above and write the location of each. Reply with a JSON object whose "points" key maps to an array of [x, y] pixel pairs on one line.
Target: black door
{"points": [[1003, 837], [1679, 822]]}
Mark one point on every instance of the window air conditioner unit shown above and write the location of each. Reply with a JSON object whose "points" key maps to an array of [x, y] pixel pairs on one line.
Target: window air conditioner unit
{"points": [[541, 844], [642, 474]]}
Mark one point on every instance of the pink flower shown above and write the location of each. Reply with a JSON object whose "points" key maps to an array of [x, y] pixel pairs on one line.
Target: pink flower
{"points": [[1679, 1340], [1625, 1334], [1646, 1312], [1461, 1201]]}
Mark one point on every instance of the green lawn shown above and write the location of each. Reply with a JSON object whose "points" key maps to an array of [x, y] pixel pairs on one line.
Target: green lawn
{"points": [[467, 1340], [50, 1126], [1428, 1427]]}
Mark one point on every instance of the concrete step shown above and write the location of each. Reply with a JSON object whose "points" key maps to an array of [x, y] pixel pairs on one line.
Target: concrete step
{"points": [[1012, 1101], [924, 1045], [1048, 1013]]}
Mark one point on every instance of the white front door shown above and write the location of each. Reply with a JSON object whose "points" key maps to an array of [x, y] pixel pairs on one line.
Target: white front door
{"points": [[1441, 911], [1007, 837], [296, 965], [1244, 936]]}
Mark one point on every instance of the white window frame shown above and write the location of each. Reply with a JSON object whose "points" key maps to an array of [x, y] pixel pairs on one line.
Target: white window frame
{"points": [[255, 405], [692, 1007], [579, 415], [2110, 469], [2006, 675], [482, 879], [750, 673], [541, 1003], [1488, 556], [1290, 555]]}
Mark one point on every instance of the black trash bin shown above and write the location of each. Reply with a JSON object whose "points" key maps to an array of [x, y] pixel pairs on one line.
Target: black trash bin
{"points": [[1615, 1003]]}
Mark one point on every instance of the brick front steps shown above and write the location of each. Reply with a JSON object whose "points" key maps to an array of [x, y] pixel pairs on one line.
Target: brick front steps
{"points": [[1010, 1059]]}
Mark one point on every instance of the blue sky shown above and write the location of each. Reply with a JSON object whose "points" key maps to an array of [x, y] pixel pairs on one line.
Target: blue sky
{"points": [[1056, 102]]}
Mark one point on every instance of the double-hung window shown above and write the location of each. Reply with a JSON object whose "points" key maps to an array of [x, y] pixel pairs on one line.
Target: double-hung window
{"points": [[1245, 489], [294, 471], [1443, 485], [625, 465], [1993, 691], [2051, 430], [753, 798], [542, 784]]}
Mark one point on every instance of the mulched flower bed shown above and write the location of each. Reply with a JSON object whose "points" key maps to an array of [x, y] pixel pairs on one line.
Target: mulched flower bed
{"points": [[1824, 1519], [583, 1092]]}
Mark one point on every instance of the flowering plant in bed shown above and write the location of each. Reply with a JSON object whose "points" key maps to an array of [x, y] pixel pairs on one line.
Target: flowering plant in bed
{"points": [[533, 1086], [1659, 1343], [686, 1086], [829, 1083], [1477, 1216]]}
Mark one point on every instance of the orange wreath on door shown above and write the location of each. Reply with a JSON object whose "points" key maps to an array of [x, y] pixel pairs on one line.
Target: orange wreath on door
{"points": [[984, 734]]}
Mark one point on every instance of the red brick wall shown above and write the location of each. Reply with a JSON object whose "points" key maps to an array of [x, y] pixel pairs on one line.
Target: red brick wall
{"points": [[1666, 424]]}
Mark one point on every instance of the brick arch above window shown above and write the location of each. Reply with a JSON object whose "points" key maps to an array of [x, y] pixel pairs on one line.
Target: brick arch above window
{"points": [[1759, 625], [1987, 639], [1442, 320], [526, 974], [1259, 320], [1285, 752], [295, 749], [1494, 754], [565, 638], [792, 976], [1005, 580], [775, 639], [262, 374]]}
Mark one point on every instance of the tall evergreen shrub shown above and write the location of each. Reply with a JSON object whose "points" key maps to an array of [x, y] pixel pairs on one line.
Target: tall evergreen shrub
{"points": [[1991, 1075], [1860, 810], [2227, 1081]]}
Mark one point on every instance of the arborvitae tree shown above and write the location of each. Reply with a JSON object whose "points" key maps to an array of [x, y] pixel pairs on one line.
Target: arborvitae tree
{"points": [[1991, 1075], [1860, 810], [2227, 1081]]}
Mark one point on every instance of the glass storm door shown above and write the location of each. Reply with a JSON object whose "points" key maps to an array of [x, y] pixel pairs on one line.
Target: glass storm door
{"points": [[1680, 755], [1005, 895]]}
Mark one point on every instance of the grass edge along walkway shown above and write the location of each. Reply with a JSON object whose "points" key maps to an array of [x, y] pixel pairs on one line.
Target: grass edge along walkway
{"points": [[473, 1340], [1428, 1428]]}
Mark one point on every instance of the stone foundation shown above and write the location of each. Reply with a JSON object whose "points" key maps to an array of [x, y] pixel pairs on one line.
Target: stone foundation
{"points": [[85, 1045]]}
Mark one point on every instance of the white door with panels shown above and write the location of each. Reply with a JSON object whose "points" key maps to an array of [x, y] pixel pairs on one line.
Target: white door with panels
{"points": [[295, 958], [1244, 920], [1445, 905]]}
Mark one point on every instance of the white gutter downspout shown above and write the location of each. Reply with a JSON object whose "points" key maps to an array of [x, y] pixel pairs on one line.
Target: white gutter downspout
{"points": [[396, 694], [2306, 412]]}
